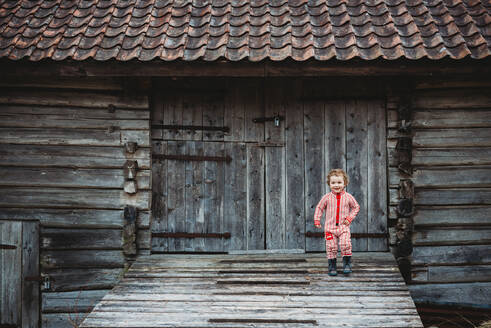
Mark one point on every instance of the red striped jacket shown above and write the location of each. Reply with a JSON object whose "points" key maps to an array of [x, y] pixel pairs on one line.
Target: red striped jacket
{"points": [[338, 207]]}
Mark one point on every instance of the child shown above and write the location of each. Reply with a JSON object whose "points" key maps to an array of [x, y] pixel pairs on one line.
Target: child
{"points": [[341, 208]]}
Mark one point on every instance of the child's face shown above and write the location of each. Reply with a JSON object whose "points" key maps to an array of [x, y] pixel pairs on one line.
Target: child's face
{"points": [[336, 183]]}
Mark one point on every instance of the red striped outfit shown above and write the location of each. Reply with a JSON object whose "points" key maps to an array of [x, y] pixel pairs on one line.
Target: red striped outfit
{"points": [[338, 207]]}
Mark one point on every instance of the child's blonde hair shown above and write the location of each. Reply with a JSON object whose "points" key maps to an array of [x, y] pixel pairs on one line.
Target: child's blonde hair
{"points": [[338, 172]]}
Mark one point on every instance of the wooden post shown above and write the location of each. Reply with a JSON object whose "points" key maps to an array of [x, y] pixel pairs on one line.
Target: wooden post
{"points": [[129, 230], [405, 207]]}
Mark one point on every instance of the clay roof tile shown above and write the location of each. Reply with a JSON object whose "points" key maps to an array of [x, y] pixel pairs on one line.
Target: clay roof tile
{"points": [[244, 29]]}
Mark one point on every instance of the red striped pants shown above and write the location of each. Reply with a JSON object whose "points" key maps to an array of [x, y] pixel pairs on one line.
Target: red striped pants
{"points": [[341, 234]]}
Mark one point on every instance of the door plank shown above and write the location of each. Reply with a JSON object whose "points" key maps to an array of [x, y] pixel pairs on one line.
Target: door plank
{"points": [[235, 196], [253, 107], [198, 197], [175, 193], [255, 198], [192, 114], [315, 186], [335, 134], [276, 104], [357, 166], [159, 197], [172, 116], [157, 115], [213, 193], [189, 219], [295, 210], [30, 268], [275, 198], [235, 104], [213, 115], [377, 177], [10, 269]]}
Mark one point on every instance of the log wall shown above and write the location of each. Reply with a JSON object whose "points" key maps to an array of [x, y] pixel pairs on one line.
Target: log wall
{"points": [[451, 173], [62, 152]]}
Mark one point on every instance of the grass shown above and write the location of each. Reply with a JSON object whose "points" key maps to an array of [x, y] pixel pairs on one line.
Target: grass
{"points": [[434, 316]]}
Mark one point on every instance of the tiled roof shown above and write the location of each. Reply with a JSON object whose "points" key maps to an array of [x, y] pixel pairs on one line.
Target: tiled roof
{"points": [[244, 29]]}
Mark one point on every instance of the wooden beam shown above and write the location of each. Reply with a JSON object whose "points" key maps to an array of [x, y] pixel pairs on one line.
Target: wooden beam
{"points": [[354, 67]]}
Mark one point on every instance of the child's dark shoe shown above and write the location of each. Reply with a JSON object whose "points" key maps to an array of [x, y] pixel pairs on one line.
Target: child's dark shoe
{"points": [[347, 264], [332, 267]]}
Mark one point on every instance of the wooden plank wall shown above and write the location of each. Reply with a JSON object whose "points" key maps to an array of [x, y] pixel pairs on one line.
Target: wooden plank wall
{"points": [[451, 159], [61, 162]]}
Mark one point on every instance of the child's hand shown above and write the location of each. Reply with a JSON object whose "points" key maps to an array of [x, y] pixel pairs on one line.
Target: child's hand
{"points": [[346, 222], [318, 226]]}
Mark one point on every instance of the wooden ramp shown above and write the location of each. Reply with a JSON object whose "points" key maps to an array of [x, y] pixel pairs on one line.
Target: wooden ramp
{"points": [[273, 290]]}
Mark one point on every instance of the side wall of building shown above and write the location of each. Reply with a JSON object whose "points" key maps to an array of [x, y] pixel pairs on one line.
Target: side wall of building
{"points": [[62, 153], [450, 186]]}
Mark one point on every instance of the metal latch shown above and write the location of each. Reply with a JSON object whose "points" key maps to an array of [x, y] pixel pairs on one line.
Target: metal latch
{"points": [[44, 279], [276, 119]]}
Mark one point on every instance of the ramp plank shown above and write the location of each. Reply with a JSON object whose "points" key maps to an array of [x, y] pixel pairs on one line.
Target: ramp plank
{"points": [[260, 290]]}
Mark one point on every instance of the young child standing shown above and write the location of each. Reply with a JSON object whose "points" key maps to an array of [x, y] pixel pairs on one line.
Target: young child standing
{"points": [[341, 208]]}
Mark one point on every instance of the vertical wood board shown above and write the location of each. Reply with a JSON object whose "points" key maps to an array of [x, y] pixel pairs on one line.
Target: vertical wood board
{"points": [[172, 116], [157, 114], [255, 198], [275, 104], [213, 115], [192, 114], [235, 105], [335, 135], [253, 107], [11, 273], [294, 170], [30, 268], [377, 177], [213, 193], [235, 197], [159, 197], [314, 168], [189, 218], [357, 166]]}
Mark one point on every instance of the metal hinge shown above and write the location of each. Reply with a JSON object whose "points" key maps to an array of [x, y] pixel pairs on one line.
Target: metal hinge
{"points": [[225, 235], [353, 235], [5, 246], [276, 119], [160, 125], [193, 158]]}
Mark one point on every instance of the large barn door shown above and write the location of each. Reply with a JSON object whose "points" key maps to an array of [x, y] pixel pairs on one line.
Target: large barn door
{"points": [[19, 274], [255, 183]]}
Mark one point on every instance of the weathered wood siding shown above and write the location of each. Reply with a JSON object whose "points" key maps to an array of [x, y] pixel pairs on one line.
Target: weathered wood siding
{"points": [[266, 196], [451, 161], [62, 151]]}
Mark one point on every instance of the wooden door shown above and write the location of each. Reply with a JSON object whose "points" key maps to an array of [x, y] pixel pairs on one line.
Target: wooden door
{"points": [[202, 204], [19, 274], [264, 198], [350, 135]]}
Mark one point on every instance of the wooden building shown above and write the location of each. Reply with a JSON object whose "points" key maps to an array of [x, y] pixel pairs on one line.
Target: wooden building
{"points": [[141, 127]]}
